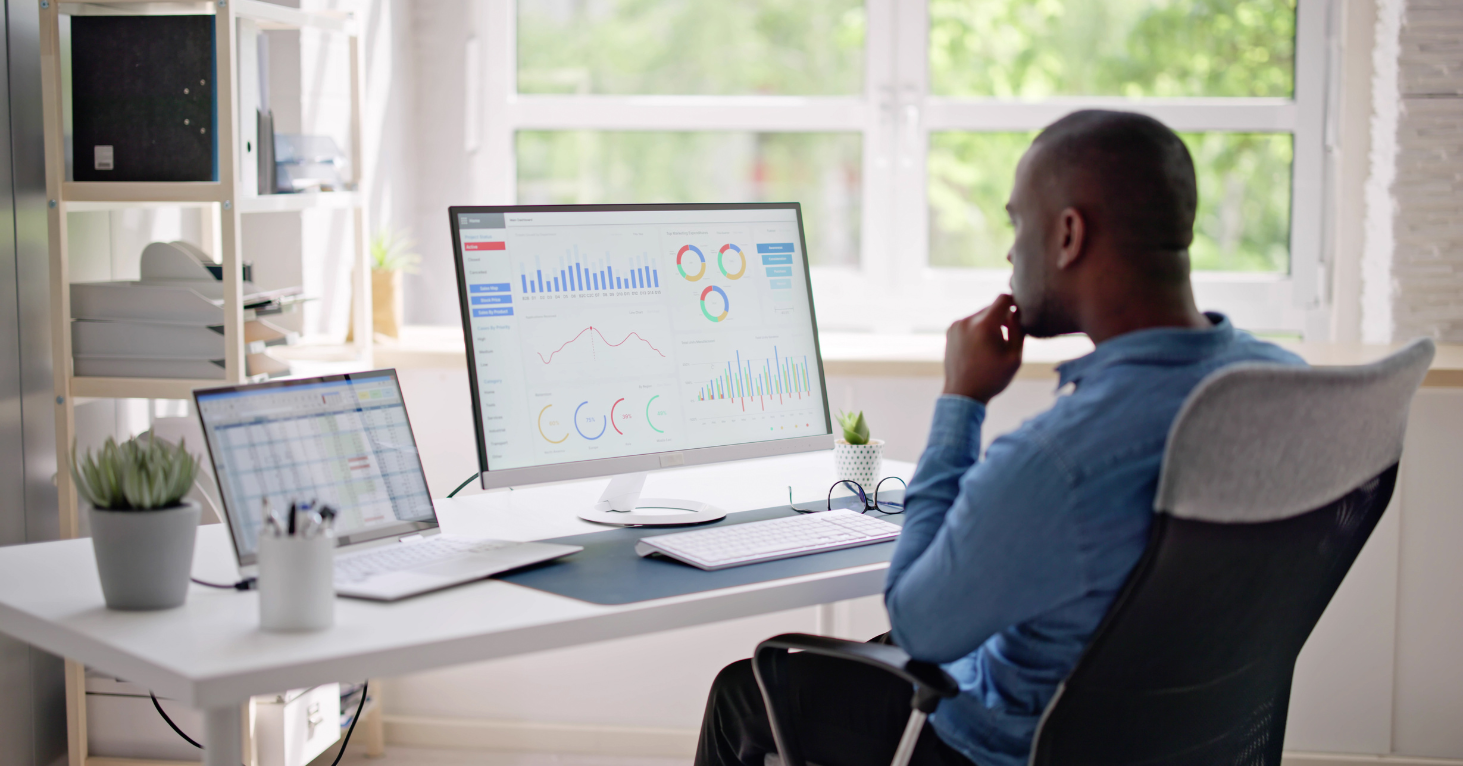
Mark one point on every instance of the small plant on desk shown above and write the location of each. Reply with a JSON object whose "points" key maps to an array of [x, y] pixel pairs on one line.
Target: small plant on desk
{"points": [[856, 456], [142, 528]]}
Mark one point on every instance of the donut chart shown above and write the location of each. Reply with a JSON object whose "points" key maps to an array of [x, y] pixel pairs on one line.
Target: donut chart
{"points": [[681, 267], [613, 424], [725, 303], [541, 412], [581, 431], [647, 414], [721, 261]]}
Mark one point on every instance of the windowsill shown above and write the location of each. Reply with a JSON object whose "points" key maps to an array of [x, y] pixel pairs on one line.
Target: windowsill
{"points": [[915, 356]]}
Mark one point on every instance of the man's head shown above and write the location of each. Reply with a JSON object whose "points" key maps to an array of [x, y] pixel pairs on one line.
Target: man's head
{"points": [[1103, 207]]}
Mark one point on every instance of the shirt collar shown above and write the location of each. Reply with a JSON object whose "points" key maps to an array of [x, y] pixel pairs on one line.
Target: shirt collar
{"points": [[1160, 344]]}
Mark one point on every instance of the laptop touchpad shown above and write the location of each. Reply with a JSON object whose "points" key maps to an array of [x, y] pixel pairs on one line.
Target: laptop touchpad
{"points": [[464, 566]]}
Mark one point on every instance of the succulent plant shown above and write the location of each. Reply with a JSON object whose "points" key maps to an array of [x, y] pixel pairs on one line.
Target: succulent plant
{"points": [[855, 428], [137, 475]]}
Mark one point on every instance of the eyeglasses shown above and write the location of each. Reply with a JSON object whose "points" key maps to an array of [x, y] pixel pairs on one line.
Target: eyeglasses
{"points": [[886, 506]]}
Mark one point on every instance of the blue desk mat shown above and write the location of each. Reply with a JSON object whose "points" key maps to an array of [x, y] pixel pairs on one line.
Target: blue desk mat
{"points": [[608, 571]]}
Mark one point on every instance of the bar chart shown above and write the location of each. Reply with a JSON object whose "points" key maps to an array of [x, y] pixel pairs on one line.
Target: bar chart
{"points": [[579, 273], [777, 379]]}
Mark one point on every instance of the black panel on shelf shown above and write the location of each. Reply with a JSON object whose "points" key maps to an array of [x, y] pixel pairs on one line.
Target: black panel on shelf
{"points": [[142, 94]]}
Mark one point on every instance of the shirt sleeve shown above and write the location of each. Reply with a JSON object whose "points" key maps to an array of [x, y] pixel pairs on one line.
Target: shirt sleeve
{"points": [[986, 545]]}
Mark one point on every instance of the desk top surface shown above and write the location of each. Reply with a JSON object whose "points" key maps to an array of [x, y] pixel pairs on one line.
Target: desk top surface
{"points": [[210, 652]]}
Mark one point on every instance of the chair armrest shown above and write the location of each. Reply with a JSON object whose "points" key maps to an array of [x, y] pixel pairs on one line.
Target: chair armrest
{"points": [[769, 664], [888, 657]]}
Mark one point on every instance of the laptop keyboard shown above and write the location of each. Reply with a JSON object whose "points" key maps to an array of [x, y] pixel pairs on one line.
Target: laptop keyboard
{"points": [[355, 567]]}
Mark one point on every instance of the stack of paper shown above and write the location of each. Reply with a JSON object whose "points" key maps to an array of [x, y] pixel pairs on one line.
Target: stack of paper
{"points": [[169, 323]]}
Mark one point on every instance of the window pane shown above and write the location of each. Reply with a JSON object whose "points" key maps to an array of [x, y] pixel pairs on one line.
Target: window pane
{"points": [[821, 170], [1243, 222], [691, 47], [1134, 48]]}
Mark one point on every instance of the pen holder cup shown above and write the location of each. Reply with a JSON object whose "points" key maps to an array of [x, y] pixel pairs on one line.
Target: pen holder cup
{"points": [[296, 583]]}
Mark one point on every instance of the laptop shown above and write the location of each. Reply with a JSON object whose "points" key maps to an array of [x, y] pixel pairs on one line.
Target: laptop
{"points": [[344, 441]]}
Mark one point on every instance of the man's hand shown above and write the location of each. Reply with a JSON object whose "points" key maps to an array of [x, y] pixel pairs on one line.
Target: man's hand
{"points": [[981, 359]]}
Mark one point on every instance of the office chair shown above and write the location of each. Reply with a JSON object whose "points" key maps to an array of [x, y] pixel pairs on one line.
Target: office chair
{"points": [[1272, 480]]}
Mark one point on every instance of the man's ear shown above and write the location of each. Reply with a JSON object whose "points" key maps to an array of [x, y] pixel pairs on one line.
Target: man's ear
{"points": [[1071, 235]]}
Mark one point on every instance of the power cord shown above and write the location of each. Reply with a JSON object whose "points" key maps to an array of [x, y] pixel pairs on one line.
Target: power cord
{"points": [[464, 484], [248, 583], [365, 689], [174, 726]]}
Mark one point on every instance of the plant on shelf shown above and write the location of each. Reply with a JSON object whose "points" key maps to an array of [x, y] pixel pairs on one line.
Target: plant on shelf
{"points": [[392, 255], [142, 528], [856, 456]]}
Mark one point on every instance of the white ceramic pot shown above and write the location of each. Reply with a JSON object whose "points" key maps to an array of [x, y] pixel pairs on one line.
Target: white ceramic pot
{"points": [[144, 557], [859, 462]]}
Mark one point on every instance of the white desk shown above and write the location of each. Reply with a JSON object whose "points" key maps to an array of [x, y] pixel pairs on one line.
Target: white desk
{"points": [[210, 654]]}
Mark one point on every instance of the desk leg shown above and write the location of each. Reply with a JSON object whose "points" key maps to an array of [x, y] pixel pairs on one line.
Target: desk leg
{"points": [[224, 727]]}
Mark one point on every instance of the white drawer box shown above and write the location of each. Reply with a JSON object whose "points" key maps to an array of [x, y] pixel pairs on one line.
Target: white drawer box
{"points": [[290, 729]]}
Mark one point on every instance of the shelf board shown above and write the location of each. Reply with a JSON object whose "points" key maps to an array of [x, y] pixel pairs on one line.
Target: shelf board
{"points": [[282, 203], [271, 16], [78, 194], [139, 388]]}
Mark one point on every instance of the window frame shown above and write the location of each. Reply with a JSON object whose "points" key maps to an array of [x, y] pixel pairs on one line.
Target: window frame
{"points": [[895, 115]]}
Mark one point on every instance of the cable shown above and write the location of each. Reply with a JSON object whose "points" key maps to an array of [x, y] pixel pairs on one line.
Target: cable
{"points": [[248, 583], [464, 484], [365, 688], [160, 712]]}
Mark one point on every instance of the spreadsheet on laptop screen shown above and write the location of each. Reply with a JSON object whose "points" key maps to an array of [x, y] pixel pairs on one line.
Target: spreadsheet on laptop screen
{"points": [[345, 443]]}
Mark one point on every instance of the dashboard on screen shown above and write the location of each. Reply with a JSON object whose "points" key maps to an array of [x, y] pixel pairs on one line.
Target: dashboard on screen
{"points": [[600, 333]]}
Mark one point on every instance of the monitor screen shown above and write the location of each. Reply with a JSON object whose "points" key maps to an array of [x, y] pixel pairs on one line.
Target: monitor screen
{"points": [[610, 331], [341, 440]]}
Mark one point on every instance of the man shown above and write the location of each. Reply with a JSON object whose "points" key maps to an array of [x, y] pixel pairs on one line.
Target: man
{"points": [[1006, 565]]}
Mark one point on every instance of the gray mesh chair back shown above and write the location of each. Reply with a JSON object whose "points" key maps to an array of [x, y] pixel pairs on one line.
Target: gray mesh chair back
{"points": [[1272, 481]]}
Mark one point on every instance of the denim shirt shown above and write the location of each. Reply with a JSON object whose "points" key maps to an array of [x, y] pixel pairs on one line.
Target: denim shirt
{"points": [[1007, 565]]}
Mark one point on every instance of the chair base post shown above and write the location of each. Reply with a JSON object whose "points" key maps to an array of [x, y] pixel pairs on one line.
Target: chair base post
{"points": [[912, 729]]}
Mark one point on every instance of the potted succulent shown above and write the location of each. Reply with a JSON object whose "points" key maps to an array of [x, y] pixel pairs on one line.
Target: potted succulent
{"points": [[856, 456], [142, 529]]}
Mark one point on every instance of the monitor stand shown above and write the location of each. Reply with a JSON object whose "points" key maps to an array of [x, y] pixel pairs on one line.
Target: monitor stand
{"points": [[621, 502]]}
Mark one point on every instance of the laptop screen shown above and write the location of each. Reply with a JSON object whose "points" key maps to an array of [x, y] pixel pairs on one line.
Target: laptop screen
{"points": [[340, 440]]}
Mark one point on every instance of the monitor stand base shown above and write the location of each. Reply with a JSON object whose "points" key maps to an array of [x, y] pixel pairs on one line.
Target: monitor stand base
{"points": [[621, 502]]}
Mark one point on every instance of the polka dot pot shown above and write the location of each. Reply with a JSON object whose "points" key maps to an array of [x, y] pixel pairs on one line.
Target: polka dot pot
{"points": [[859, 462]]}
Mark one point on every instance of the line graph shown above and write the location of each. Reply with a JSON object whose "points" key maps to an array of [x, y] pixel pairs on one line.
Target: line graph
{"points": [[606, 341]]}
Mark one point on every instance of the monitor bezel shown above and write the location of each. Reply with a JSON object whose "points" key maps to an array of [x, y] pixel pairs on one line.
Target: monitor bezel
{"points": [[375, 533], [587, 469]]}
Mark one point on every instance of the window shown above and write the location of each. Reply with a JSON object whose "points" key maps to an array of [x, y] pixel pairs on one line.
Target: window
{"points": [[898, 125]]}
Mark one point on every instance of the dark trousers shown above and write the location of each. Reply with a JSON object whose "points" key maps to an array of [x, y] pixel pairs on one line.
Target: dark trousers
{"points": [[846, 714]]}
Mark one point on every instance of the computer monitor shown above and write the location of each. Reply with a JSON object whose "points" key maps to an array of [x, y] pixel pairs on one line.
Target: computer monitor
{"points": [[341, 440], [612, 340]]}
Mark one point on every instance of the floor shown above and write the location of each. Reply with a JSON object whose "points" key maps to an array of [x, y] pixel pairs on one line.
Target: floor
{"points": [[423, 756]]}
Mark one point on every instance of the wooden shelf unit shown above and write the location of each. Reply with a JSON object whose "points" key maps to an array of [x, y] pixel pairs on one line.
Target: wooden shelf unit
{"points": [[225, 200]]}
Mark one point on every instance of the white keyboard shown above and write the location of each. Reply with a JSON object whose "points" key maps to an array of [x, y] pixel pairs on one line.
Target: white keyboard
{"points": [[355, 567], [758, 541]]}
